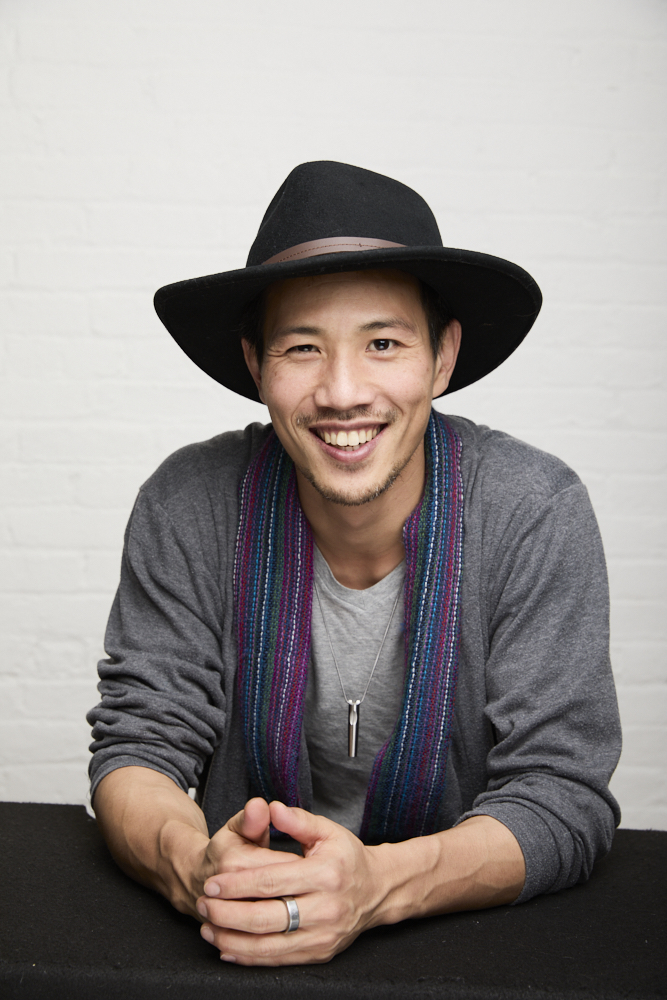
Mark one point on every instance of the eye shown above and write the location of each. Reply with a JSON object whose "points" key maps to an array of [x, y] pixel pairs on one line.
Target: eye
{"points": [[303, 349], [382, 345]]}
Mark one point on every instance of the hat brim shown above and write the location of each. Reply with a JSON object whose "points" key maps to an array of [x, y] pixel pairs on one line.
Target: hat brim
{"points": [[495, 301]]}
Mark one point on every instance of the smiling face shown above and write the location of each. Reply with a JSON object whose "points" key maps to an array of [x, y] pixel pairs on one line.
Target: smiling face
{"points": [[348, 375]]}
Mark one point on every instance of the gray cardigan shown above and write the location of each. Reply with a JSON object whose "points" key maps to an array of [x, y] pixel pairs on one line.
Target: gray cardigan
{"points": [[536, 733]]}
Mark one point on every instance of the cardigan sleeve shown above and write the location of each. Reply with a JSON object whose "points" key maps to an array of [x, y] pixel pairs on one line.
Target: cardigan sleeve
{"points": [[163, 704], [550, 694]]}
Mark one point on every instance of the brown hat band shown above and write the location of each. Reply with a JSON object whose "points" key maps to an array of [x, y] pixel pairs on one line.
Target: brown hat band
{"points": [[335, 244]]}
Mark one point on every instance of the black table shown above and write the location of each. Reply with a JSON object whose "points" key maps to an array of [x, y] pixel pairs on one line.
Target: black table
{"points": [[73, 926]]}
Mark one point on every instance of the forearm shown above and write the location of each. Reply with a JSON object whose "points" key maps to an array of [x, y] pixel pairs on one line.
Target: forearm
{"points": [[472, 866], [156, 833]]}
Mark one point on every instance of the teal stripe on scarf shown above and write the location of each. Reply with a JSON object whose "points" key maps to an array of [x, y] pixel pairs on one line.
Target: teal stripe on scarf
{"points": [[273, 585]]}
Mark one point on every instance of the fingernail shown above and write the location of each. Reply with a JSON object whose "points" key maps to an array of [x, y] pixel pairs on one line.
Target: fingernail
{"points": [[201, 908], [227, 958], [212, 889], [207, 934]]}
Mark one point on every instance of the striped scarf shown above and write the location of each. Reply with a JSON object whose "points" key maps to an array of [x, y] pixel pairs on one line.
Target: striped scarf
{"points": [[273, 589]]}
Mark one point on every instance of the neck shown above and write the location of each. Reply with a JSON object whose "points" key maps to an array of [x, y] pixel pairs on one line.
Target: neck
{"points": [[363, 544]]}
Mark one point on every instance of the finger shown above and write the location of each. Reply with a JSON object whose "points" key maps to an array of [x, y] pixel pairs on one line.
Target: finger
{"points": [[300, 948], [253, 949], [244, 857], [292, 879], [265, 916], [252, 823], [304, 827]]}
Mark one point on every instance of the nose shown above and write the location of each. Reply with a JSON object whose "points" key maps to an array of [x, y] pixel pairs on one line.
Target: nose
{"points": [[342, 385]]}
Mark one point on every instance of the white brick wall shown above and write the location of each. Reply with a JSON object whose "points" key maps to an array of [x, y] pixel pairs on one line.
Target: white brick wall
{"points": [[141, 142]]}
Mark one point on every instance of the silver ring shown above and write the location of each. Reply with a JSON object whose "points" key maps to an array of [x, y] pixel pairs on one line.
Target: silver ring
{"points": [[292, 913]]}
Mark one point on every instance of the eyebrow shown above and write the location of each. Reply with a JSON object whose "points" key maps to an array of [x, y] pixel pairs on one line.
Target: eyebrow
{"points": [[388, 323], [391, 322]]}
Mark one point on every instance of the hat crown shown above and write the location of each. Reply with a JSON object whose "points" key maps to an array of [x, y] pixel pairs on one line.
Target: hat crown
{"points": [[324, 199]]}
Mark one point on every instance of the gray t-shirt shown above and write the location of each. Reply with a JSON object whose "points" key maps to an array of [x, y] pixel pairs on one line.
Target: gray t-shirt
{"points": [[356, 621]]}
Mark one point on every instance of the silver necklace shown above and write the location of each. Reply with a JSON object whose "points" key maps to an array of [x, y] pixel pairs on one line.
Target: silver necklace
{"points": [[354, 704]]}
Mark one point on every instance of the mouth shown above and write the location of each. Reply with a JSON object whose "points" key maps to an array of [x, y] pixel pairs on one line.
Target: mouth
{"points": [[349, 440]]}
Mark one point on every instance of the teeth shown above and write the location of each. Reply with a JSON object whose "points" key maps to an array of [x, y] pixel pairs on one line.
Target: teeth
{"points": [[350, 439]]}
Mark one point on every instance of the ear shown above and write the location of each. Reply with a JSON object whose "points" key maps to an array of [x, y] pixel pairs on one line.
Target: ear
{"points": [[447, 355], [250, 355]]}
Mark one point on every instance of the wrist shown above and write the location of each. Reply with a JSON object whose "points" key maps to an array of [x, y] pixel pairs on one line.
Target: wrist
{"points": [[404, 873], [183, 864]]}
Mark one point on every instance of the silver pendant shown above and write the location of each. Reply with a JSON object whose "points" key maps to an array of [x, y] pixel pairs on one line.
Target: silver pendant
{"points": [[352, 727]]}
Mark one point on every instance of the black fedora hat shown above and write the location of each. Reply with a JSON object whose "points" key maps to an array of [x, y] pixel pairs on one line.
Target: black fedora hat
{"points": [[330, 217]]}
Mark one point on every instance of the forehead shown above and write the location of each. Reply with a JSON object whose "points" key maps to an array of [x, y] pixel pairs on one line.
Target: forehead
{"points": [[384, 290]]}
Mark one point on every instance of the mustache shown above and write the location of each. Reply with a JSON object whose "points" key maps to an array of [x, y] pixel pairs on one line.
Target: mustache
{"points": [[343, 416]]}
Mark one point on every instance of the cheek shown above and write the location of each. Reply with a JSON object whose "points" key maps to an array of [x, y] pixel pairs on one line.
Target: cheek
{"points": [[284, 392], [411, 385]]}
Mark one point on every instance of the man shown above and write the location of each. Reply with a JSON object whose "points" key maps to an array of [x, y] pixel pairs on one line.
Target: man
{"points": [[373, 630]]}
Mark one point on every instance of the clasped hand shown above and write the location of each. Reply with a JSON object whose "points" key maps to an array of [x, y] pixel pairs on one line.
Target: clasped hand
{"points": [[336, 883]]}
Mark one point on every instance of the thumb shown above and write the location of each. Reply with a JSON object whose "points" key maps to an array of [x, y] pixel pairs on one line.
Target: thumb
{"points": [[304, 827], [252, 823]]}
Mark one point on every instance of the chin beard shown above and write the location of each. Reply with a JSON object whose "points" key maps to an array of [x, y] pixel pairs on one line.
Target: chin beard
{"points": [[352, 499]]}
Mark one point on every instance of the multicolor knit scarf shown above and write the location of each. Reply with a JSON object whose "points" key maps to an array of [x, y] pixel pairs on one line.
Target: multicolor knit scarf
{"points": [[273, 586]]}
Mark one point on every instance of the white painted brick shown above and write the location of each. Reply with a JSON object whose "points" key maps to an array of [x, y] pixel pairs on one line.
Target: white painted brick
{"points": [[185, 225], [645, 787], [30, 741], [41, 572], [23, 313], [629, 536], [35, 656], [643, 705], [69, 697], [44, 85], [644, 618], [8, 40], [56, 176], [635, 580], [65, 527], [101, 571], [651, 818], [567, 326], [57, 355], [82, 267], [21, 134], [120, 315], [645, 494], [64, 616], [103, 443], [38, 485], [645, 743], [7, 267], [46, 781], [28, 222], [31, 399], [11, 697], [639, 662], [117, 487]]}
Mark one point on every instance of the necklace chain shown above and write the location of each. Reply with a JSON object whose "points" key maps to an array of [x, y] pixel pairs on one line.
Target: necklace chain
{"points": [[377, 658]]}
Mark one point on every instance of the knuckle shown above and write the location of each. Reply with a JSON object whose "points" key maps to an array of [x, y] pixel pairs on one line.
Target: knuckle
{"points": [[333, 911], [333, 878], [265, 948], [267, 883], [259, 921]]}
